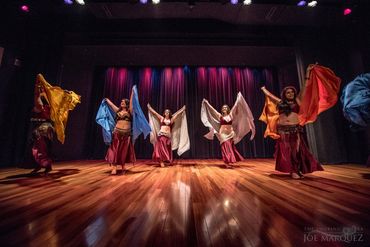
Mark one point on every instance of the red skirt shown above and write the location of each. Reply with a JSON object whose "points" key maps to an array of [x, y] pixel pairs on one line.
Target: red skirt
{"points": [[41, 151], [162, 150], [121, 150], [229, 152], [292, 153]]}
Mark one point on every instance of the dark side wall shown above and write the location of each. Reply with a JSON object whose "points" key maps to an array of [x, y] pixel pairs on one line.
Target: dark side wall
{"points": [[29, 48], [344, 51]]}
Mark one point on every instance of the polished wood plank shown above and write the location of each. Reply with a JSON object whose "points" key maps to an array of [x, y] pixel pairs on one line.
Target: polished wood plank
{"points": [[192, 203]]}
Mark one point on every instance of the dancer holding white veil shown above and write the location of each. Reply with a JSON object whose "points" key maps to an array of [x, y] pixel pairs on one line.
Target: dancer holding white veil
{"points": [[169, 132], [229, 126]]}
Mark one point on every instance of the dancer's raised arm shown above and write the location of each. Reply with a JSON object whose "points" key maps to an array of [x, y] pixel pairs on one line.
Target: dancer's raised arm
{"points": [[112, 105], [243, 121], [303, 88], [270, 95], [156, 114], [174, 117], [213, 111], [131, 100]]}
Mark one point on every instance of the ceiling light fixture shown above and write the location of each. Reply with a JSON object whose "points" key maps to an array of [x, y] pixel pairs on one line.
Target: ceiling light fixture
{"points": [[312, 4], [301, 3], [81, 2]]}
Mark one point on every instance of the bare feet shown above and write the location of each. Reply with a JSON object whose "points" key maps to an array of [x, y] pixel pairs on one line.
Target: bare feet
{"points": [[34, 171], [47, 169], [300, 174], [295, 175], [114, 170], [162, 164]]}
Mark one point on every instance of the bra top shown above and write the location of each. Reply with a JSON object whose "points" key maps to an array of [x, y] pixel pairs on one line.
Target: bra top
{"points": [[224, 121], [285, 108], [166, 122], [124, 116]]}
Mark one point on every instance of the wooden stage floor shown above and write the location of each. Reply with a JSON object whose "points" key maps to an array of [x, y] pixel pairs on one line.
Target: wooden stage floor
{"points": [[193, 203]]}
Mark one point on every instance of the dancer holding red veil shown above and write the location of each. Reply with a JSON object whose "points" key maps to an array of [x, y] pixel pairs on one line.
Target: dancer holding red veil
{"points": [[286, 116]]}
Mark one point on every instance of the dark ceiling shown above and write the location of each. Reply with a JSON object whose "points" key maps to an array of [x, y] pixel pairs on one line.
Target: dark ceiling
{"points": [[111, 24], [261, 12], [183, 22]]}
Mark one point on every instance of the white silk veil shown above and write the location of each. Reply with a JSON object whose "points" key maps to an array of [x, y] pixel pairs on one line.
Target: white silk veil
{"points": [[242, 120], [179, 132]]}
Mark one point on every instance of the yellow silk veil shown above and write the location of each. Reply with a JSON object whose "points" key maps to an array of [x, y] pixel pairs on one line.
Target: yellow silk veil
{"points": [[61, 102]]}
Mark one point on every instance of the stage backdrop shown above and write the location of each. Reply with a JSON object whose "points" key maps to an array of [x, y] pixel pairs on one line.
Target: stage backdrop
{"points": [[173, 87]]}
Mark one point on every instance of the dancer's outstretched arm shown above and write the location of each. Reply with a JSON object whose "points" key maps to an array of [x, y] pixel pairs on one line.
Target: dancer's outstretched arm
{"points": [[303, 88], [270, 95], [131, 100], [243, 121], [174, 117], [214, 112], [112, 105], [38, 104], [156, 114]]}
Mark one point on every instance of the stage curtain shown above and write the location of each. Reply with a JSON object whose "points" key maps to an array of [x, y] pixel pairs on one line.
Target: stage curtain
{"points": [[172, 87]]}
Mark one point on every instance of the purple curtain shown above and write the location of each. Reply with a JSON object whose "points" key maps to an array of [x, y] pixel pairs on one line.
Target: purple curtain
{"points": [[118, 84], [175, 86]]}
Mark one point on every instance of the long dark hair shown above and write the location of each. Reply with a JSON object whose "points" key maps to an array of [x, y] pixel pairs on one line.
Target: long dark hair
{"points": [[170, 115], [228, 109], [283, 97], [127, 102], [284, 106]]}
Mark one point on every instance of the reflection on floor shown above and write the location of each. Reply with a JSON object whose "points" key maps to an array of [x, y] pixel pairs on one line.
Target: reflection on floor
{"points": [[192, 203]]}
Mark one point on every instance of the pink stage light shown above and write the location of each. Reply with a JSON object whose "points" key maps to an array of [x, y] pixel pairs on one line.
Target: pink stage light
{"points": [[347, 11], [25, 8]]}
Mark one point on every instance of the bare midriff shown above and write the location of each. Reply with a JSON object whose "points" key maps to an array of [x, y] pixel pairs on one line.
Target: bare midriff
{"points": [[291, 119], [226, 129], [165, 129], [123, 124]]}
